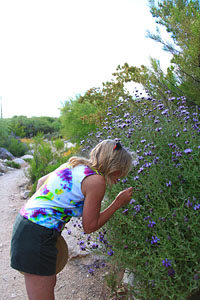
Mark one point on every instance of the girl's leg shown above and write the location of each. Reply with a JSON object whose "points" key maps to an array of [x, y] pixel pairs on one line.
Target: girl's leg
{"points": [[40, 287]]}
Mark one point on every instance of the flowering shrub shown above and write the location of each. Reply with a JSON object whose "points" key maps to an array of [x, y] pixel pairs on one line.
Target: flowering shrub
{"points": [[156, 236]]}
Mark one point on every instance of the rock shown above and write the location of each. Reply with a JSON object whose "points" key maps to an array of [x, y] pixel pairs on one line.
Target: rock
{"points": [[27, 156], [3, 168], [68, 145], [20, 161], [5, 154], [25, 194], [128, 278], [73, 239]]}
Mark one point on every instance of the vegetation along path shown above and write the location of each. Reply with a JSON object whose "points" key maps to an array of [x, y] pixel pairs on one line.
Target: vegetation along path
{"points": [[73, 282]]}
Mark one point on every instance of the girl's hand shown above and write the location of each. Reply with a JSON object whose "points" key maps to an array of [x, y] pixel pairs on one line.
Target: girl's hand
{"points": [[124, 197]]}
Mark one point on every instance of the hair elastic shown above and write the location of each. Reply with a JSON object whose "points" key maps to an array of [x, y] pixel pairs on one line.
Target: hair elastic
{"points": [[117, 146]]}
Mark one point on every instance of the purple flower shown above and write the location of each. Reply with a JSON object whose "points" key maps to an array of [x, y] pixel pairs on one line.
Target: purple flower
{"points": [[146, 218], [171, 272], [166, 263], [132, 201], [140, 170], [136, 178], [164, 112], [91, 271], [154, 240], [187, 151], [197, 207], [188, 204], [142, 141], [110, 252], [151, 224], [168, 183], [125, 211], [94, 246], [158, 129], [81, 242], [147, 165], [101, 237], [137, 207]]}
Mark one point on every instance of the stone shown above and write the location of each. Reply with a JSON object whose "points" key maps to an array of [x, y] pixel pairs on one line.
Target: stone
{"points": [[5, 154], [3, 168], [25, 194], [20, 161], [128, 278]]}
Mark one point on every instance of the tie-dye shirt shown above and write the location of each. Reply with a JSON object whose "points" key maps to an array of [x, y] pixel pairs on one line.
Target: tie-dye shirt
{"points": [[59, 198]]}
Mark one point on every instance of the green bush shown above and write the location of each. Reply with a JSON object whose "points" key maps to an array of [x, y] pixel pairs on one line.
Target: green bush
{"points": [[59, 144], [16, 147], [156, 237], [13, 164]]}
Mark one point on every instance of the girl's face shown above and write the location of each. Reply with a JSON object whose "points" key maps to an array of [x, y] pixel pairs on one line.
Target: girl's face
{"points": [[115, 176]]}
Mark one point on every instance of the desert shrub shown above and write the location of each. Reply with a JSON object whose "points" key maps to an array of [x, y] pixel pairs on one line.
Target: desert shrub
{"points": [[13, 164], [59, 144], [156, 236], [16, 147]]}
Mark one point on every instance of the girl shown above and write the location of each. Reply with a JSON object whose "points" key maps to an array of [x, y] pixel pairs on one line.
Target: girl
{"points": [[75, 189]]}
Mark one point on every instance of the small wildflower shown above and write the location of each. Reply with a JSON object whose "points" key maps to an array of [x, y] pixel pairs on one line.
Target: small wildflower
{"points": [[158, 129], [91, 271], [188, 204], [94, 246], [125, 211], [197, 207], [154, 240], [142, 141], [168, 183], [137, 207], [110, 252], [132, 201], [171, 272], [146, 218], [187, 151], [151, 224], [166, 263]]}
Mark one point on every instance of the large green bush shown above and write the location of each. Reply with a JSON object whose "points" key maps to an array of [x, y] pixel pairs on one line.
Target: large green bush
{"points": [[10, 142], [156, 237]]}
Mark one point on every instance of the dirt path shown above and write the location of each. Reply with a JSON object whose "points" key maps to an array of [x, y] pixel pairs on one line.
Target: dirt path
{"points": [[74, 282]]}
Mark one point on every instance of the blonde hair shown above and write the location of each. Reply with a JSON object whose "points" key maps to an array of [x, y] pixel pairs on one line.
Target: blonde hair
{"points": [[106, 160]]}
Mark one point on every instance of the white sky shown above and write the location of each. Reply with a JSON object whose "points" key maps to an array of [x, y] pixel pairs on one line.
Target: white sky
{"points": [[51, 50]]}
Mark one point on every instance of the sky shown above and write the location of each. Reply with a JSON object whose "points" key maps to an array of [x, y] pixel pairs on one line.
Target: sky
{"points": [[53, 50]]}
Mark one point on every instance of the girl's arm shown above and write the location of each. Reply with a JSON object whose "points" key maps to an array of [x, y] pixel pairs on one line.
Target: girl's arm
{"points": [[93, 187]]}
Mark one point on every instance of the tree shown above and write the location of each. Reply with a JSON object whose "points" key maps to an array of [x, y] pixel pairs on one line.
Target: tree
{"points": [[181, 18], [76, 119]]}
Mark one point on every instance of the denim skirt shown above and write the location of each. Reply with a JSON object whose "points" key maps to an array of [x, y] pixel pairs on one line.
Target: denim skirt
{"points": [[33, 248]]}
